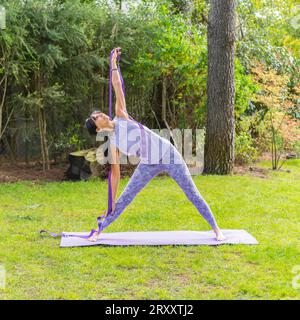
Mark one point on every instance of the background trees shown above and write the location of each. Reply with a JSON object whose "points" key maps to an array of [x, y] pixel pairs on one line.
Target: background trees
{"points": [[54, 69]]}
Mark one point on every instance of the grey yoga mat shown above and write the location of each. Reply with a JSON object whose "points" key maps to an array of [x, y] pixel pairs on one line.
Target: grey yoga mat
{"points": [[157, 238]]}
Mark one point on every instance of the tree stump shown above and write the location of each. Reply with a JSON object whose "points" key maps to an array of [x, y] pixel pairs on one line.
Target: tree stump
{"points": [[79, 168], [85, 164]]}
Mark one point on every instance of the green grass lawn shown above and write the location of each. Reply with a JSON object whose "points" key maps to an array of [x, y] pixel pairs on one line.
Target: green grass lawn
{"points": [[37, 268]]}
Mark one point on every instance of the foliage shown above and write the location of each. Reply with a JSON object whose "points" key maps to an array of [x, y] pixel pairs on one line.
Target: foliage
{"points": [[279, 99], [245, 152], [245, 89], [170, 52], [70, 140], [245, 149], [267, 32], [51, 75], [54, 65]]}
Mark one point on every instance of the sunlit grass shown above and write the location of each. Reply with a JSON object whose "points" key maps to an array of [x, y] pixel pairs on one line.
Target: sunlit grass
{"points": [[268, 208]]}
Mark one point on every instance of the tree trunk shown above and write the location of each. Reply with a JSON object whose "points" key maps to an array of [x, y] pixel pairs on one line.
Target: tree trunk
{"points": [[43, 137], [46, 147], [219, 139], [3, 96], [27, 144], [9, 150], [164, 109], [41, 130], [42, 124]]}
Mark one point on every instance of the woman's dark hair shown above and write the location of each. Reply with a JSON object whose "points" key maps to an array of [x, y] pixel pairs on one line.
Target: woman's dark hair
{"points": [[90, 125]]}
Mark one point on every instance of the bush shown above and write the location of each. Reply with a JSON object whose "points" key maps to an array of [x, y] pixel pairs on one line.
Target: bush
{"points": [[69, 141], [297, 148], [245, 152]]}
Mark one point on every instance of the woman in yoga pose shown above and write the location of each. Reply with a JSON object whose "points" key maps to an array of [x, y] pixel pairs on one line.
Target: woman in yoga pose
{"points": [[156, 155]]}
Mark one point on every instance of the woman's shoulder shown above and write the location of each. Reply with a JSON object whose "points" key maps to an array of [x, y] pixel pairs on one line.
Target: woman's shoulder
{"points": [[121, 119], [120, 122]]}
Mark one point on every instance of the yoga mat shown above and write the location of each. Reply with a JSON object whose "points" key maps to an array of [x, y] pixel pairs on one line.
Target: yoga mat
{"points": [[153, 238]]}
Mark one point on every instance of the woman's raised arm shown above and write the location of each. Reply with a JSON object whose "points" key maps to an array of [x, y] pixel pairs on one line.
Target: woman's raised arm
{"points": [[120, 108]]}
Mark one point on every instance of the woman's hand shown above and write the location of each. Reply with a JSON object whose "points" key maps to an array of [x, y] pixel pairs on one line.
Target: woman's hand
{"points": [[117, 52], [104, 213]]}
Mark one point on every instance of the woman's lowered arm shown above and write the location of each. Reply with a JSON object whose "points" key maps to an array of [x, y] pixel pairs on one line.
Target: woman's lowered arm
{"points": [[115, 173]]}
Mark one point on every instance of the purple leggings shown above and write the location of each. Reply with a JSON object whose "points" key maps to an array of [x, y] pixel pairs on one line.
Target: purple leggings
{"points": [[178, 170]]}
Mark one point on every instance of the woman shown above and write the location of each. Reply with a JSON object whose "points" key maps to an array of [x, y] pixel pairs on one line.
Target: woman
{"points": [[156, 155]]}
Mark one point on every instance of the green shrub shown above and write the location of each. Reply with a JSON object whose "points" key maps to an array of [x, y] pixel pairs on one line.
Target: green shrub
{"points": [[70, 140], [297, 148], [245, 152]]}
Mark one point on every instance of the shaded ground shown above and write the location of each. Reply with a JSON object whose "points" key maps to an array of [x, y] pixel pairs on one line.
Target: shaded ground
{"points": [[254, 171], [10, 173], [33, 172]]}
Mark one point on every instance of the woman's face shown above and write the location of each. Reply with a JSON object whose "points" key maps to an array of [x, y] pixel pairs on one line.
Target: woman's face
{"points": [[101, 120]]}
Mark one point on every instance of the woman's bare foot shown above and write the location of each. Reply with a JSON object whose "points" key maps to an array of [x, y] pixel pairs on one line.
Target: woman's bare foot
{"points": [[94, 237], [219, 235]]}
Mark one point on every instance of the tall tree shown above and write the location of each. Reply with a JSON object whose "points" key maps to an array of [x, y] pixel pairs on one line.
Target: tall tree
{"points": [[219, 139]]}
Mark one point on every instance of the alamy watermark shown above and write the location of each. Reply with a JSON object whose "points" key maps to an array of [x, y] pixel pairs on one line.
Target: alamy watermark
{"points": [[296, 279], [2, 277], [153, 146]]}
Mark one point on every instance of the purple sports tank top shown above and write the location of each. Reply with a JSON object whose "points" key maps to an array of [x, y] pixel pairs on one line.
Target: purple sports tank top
{"points": [[144, 143]]}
